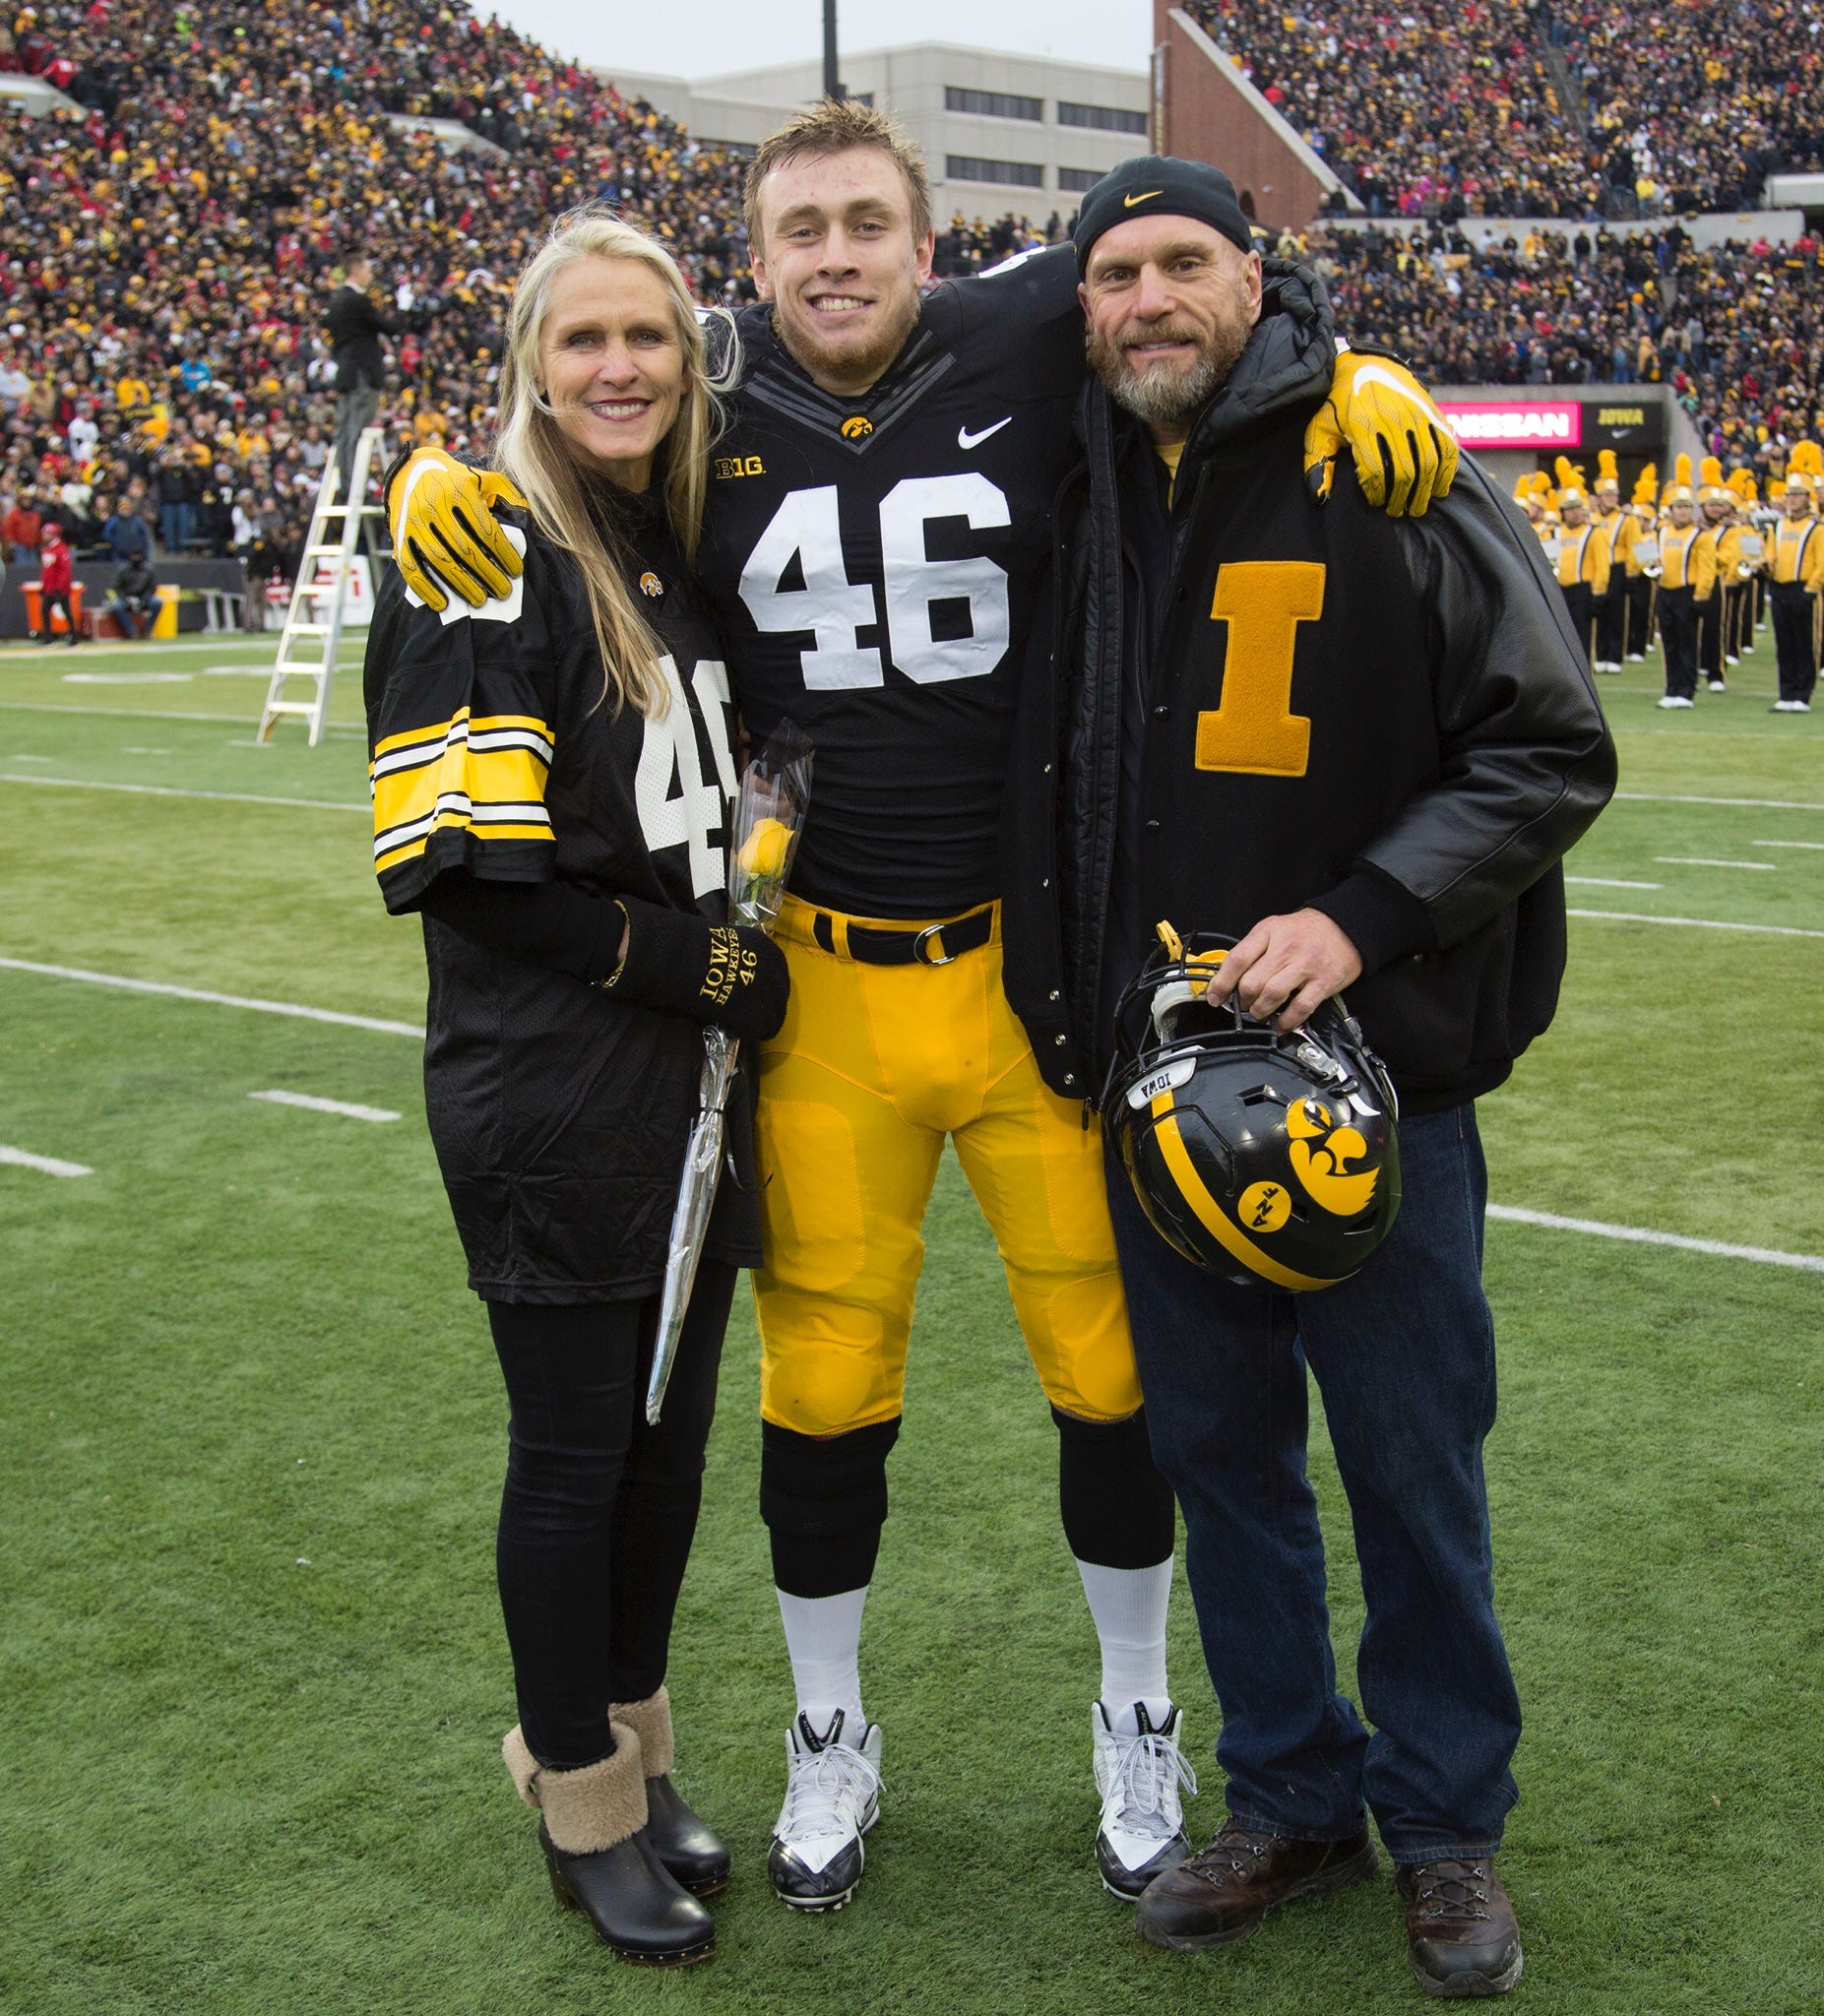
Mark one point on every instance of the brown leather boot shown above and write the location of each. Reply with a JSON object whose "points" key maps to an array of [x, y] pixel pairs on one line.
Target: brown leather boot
{"points": [[1226, 1890], [1460, 1927]]}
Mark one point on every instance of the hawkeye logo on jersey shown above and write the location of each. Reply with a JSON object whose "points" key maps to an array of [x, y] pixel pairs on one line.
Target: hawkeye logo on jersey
{"points": [[650, 582], [727, 466], [857, 427]]}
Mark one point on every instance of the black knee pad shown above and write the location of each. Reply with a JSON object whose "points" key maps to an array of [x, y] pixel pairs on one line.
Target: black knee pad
{"points": [[824, 1500], [1118, 1511]]}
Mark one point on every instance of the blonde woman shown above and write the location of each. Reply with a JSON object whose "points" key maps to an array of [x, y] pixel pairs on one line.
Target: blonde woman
{"points": [[552, 782]]}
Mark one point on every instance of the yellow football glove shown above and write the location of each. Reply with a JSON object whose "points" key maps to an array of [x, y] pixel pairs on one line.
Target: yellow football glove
{"points": [[1406, 454], [444, 535]]}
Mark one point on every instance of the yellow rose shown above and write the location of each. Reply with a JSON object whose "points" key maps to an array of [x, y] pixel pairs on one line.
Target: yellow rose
{"points": [[763, 852]]}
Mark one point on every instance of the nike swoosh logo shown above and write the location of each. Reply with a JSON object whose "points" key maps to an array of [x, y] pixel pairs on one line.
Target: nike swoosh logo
{"points": [[1128, 202], [965, 439]]}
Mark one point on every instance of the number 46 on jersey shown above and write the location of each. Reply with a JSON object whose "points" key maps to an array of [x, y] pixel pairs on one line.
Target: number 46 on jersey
{"points": [[805, 539]]}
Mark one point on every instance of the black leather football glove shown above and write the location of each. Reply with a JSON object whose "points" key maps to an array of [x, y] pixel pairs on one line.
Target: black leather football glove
{"points": [[730, 974]]}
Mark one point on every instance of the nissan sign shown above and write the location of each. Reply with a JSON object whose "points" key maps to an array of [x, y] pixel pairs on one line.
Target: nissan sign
{"points": [[1516, 423]]}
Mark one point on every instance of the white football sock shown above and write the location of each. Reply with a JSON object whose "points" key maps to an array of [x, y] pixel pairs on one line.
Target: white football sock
{"points": [[823, 1635], [1129, 1605]]}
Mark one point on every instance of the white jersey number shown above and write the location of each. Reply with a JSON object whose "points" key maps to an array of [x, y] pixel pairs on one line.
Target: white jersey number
{"points": [[676, 807], [807, 528]]}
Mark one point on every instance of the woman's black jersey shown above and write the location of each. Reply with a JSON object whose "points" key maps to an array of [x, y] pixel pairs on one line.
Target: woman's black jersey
{"points": [[560, 1113], [874, 561]]}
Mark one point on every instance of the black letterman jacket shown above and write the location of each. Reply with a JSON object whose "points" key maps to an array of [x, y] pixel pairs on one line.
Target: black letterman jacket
{"points": [[1435, 841]]}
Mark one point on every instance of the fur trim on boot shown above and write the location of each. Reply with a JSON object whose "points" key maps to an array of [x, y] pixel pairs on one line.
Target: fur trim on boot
{"points": [[587, 1810], [651, 1721]]}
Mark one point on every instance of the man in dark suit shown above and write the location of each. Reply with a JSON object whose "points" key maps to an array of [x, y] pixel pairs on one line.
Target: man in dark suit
{"points": [[355, 326]]}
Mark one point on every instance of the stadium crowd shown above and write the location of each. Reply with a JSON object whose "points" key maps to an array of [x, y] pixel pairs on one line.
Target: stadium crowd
{"points": [[1737, 330], [160, 308], [166, 381], [1576, 108]]}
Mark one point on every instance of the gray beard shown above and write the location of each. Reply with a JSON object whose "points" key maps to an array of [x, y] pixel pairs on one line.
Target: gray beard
{"points": [[1162, 398]]}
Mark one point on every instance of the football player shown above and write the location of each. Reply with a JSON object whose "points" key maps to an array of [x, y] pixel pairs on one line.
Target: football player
{"points": [[877, 525]]}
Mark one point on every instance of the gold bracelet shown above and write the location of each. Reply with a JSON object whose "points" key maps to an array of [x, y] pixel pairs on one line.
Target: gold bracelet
{"points": [[620, 965]]}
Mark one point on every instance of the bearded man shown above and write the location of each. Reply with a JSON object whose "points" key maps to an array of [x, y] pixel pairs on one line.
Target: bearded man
{"points": [[1356, 748]]}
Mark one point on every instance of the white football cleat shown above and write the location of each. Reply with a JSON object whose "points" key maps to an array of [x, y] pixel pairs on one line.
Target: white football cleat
{"points": [[1138, 1772], [832, 1799], [1676, 700]]}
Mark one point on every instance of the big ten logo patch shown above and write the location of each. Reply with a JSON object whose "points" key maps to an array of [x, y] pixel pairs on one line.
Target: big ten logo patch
{"points": [[730, 466]]}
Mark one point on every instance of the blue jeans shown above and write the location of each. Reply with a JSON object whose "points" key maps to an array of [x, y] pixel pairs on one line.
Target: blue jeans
{"points": [[177, 521], [1404, 1357]]}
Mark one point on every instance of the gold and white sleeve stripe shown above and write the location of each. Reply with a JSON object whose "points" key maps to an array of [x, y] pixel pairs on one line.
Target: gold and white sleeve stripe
{"points": [[484, 777]]}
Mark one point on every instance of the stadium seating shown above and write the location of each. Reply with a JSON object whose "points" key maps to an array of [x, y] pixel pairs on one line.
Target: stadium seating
{"points": [[1737, 332], [1576, 108], [160, 304]]}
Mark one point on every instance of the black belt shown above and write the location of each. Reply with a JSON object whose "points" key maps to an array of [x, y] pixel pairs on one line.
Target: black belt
{"points": [[933, 945]]}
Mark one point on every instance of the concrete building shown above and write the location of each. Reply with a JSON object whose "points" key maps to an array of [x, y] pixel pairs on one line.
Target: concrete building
{"points": [[1000, 132]]}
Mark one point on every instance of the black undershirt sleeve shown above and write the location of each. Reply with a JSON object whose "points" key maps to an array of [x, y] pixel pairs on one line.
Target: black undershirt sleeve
{"points": [[545, 923]]}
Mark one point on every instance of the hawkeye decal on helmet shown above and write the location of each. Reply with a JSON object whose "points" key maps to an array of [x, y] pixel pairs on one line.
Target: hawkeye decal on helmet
{"points": [[1259, 1156]]}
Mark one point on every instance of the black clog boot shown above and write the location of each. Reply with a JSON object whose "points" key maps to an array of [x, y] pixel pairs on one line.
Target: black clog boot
{"points": [[694, 1855], [600, 1860]]}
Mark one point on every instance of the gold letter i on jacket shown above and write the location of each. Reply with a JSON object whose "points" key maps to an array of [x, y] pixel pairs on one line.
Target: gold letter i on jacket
{"points": [[1254, 729]]}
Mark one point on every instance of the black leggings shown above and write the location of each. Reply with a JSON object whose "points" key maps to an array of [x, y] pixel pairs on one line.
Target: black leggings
{"points": [[599, 1510]]}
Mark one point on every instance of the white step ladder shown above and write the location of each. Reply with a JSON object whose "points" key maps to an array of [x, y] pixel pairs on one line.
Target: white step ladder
{"points": [[313, 622]]}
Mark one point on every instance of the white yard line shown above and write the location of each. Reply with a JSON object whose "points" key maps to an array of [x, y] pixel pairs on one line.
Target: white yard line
{"points": [[114, 980], [1630, 916], [1811, 846], [46, 1165], [1608, 882], [1763, 805], [128, 678], [171, 791], [1639, 1234], [325, 1106], [231, 721], [1710, 862]]}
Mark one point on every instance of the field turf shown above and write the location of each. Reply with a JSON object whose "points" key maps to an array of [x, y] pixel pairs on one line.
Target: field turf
{"points": [[252, 1670]]}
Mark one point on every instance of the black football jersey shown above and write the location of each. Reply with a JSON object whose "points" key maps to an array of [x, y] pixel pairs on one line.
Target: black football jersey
{"points": [[559, 1111], [874, 562]]}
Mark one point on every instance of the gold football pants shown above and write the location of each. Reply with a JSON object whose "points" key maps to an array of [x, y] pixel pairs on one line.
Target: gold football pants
{"points": [[874, 1067]]}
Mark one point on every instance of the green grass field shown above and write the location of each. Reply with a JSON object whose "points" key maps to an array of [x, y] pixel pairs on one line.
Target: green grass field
{"points": [[253, 1675]]}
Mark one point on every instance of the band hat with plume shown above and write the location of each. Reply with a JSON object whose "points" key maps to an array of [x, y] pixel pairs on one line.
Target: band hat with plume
{"points": [[1678, 491], [1647, 485], [1608, 471], [1804, 466], [1714, 490]]}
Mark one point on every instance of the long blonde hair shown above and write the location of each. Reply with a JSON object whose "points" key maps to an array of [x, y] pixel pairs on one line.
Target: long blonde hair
{"points": [[529, 447]]}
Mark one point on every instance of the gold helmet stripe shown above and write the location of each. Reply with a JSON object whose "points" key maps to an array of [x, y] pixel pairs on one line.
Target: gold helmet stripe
{"points": [[1197, 1195]]}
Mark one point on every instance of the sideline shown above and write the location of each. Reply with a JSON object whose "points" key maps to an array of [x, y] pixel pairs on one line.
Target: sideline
{"points": [[1512, 1213], [171, 791], [114, 980]]}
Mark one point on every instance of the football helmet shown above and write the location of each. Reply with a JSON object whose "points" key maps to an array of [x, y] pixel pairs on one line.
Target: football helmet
{"points": [[1259, 1156]]}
